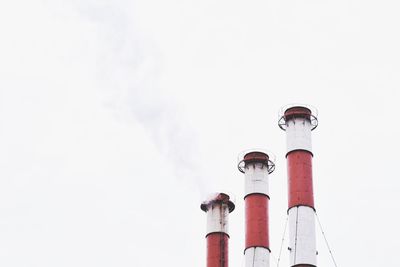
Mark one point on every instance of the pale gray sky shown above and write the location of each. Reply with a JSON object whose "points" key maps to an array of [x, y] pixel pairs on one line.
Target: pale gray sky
{"points": [[118, 117]]}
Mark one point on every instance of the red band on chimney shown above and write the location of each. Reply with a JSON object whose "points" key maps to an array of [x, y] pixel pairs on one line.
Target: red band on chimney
{"points": [[217, 250], [299, 164], [257, 234]]}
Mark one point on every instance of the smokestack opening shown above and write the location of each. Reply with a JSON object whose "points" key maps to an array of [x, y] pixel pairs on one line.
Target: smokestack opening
{"points": [[296, 111], [219, 198], [256, 156]]}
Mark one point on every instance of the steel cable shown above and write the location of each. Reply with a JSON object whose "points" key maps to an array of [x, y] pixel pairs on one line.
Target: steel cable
{"points": [[283, 239], [326, 241]]}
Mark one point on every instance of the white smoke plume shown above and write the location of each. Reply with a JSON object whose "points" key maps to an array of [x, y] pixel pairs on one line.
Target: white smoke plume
{"points": [[130, 67]]}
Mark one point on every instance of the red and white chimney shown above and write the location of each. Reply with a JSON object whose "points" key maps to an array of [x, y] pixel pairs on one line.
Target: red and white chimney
{"points": [[298, 122], [217, 208], [256, 167]]}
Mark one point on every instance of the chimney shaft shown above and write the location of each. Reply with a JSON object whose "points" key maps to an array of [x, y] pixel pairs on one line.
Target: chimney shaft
{"points": [[298, 122], [217, 208], [256, 167]]}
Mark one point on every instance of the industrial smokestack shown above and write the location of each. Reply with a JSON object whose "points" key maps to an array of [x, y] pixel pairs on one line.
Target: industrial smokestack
{"points": [[256, 167], [298, 122], [217, 208]]}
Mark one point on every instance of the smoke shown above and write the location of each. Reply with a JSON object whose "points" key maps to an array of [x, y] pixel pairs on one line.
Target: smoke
{"points": [[130, 69], [165, 121]]}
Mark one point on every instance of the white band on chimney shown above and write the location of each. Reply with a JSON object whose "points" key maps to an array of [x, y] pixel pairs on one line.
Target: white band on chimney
{"points": [[256, 179], [217, 218], [257, 257], [298, 134], [302, 244]]}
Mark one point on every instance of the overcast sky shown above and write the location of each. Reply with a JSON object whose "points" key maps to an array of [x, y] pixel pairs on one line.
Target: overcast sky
{"points": [[118, 117]]}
